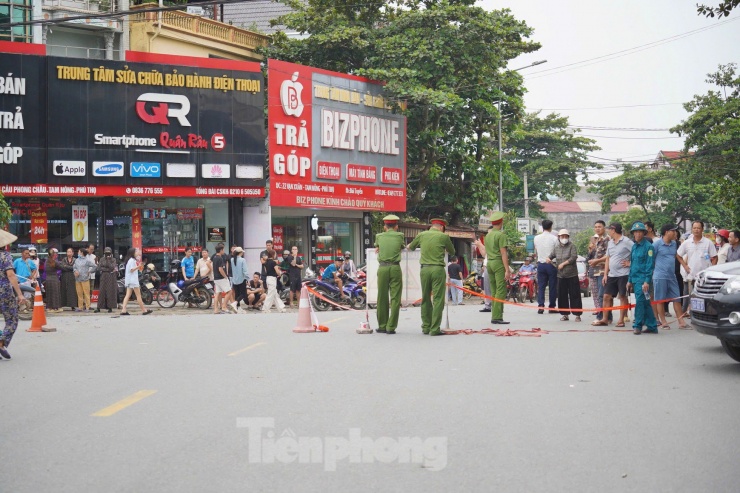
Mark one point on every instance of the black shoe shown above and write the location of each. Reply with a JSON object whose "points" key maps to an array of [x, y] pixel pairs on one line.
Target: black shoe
{"points": [[553, 311], [425, 333], [540, 312], [147, 312], [439, 334], [4, 353], [125, 313], [485, 310], [499, 322], [381, 331], [110, 310], [97, 310], [390, 331]]}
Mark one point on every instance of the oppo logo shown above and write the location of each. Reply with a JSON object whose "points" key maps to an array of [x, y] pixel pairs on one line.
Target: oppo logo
{"points": [[167, 105], [146, 170]]}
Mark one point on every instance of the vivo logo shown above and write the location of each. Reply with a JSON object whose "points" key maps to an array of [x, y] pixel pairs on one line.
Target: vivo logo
{"points": [[107, 168], [146, 170]]}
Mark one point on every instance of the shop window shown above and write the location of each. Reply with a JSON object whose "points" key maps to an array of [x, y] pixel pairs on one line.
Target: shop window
{"points": [[287, 232], [333, 239]]}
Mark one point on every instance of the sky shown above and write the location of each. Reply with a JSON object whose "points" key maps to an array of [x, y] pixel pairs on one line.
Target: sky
{"points": [[649, 85]]}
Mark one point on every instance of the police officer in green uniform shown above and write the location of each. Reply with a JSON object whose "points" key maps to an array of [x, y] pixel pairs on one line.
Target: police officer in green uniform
{"points": [[434, 243], [498, 266], [388, 246], [642, 264]]}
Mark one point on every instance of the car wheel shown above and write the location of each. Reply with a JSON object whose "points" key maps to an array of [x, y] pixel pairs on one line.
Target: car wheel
{"points": [[732, 350]]}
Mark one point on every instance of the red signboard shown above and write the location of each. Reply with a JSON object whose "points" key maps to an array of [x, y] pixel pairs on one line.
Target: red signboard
{"points": [[277, 238], [40, 190], [329, 136], [39, 227], [136, 240]]}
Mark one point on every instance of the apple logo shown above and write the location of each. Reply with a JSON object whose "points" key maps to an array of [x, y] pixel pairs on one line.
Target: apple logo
{"points": [[60, 169], [290, 96]]}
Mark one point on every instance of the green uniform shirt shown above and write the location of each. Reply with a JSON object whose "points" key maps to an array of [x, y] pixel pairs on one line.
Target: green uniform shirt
{"points": [[390, 244], [495, 241], [642, 263], [433, 245]]}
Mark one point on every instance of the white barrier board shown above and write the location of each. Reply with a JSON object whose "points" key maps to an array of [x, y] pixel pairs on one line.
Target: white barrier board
{"points": [[410, 268]]}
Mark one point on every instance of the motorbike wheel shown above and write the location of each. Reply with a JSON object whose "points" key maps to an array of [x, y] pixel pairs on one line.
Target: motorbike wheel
{"points": [[466, 295], [285, 295], [147, 297], [359, 301], [319, 304], [165, 299], [522, 294], [204, 299], [25, 310]]}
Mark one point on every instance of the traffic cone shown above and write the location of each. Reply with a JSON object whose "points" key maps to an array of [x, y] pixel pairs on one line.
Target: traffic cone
{"points": [[305, 323], [38, 323]]}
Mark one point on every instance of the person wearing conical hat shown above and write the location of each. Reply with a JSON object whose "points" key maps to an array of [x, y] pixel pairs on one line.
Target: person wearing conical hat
{"points": [[10, 293], [434, 243], [498, 266], [388, 246]]}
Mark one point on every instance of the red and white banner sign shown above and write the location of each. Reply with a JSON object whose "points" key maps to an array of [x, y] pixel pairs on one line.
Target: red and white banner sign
{"points": [[136, 240], [334, 141], [40, 190], [277, 238], [39, 227]]}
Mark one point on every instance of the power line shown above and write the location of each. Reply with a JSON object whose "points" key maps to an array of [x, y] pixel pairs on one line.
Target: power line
{"points": [[621, 53], [619, 129], [630, 138], [608, 107]]}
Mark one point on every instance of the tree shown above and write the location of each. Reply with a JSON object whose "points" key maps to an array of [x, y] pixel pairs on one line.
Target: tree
{"points": [[552, 156], [663, 196], [722, 10], [713, 131], [5, 212], [446, 60]]}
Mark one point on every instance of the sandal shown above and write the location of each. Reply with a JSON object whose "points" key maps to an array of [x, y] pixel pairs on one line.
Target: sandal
{"points": [[622, 325], [564, 318], [600, 323], [578, 319]]}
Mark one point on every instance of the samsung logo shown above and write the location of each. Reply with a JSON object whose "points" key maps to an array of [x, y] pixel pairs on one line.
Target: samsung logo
{"points": [[107, 168], [146, 170]]}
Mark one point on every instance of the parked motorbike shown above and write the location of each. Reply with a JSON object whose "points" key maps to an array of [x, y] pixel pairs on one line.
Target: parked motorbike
{"points": [[354, 295], [147, 278], [25, 309], [512, 288], [197, 292], [527, 287], [472, 283]]}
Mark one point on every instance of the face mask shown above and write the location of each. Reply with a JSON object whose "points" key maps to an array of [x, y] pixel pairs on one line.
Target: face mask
{"points": [[564, 241]]}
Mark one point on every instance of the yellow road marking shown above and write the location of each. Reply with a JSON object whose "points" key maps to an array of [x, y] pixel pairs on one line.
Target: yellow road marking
{"points": [[247, 348], [334, 320], [124, 403]]}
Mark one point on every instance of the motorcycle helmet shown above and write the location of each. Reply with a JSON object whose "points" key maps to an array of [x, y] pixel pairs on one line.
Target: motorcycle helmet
{"points": [[724, 234], [180, 284]]}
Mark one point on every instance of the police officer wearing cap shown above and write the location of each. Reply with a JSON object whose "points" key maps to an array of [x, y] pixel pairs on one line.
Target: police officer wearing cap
{"points": [[388, 246], [434, 243], [498, 266], [642, 263]]}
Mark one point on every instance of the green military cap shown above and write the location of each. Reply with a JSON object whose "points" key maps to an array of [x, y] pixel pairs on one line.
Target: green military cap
{"points": [[391, 219], [497, 218], [440, 221]]}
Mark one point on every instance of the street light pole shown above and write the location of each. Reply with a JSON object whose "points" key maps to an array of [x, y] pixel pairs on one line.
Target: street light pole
{"points": [[500, 148]]}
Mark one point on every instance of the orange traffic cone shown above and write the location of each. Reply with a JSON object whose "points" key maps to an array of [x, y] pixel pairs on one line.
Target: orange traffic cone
{"points": [[38, 323], [305, 314]]}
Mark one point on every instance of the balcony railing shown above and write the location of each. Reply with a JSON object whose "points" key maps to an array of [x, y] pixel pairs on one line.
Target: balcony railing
{"points": [[80, 52], [207, 28], [82, 5]]}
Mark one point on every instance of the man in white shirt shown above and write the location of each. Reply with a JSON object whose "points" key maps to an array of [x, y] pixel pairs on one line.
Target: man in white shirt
{"points": [[699, 253], [547, 273]]}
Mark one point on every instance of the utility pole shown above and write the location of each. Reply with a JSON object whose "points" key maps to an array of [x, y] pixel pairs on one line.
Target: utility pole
{"points": [[500, 153]]}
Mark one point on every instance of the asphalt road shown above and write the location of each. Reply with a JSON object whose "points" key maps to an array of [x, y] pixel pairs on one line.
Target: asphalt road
{"points": [[199, 402]]}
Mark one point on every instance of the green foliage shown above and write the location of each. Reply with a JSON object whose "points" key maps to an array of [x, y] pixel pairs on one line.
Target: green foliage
{"points": [[722, 10], [5, 212], [581, 241], [445, 60], [553, 158], [713, 130]]}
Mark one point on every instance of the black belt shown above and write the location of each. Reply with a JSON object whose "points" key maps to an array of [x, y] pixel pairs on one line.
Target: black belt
{"points": [[431, 265], [386, 264]]}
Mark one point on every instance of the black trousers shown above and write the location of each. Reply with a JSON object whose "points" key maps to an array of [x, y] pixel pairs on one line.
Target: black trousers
{"points": [[569, 296], [240, 292]]}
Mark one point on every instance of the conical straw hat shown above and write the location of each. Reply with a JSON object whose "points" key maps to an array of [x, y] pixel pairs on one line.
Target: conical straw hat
{"points": [[6, 238]]}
